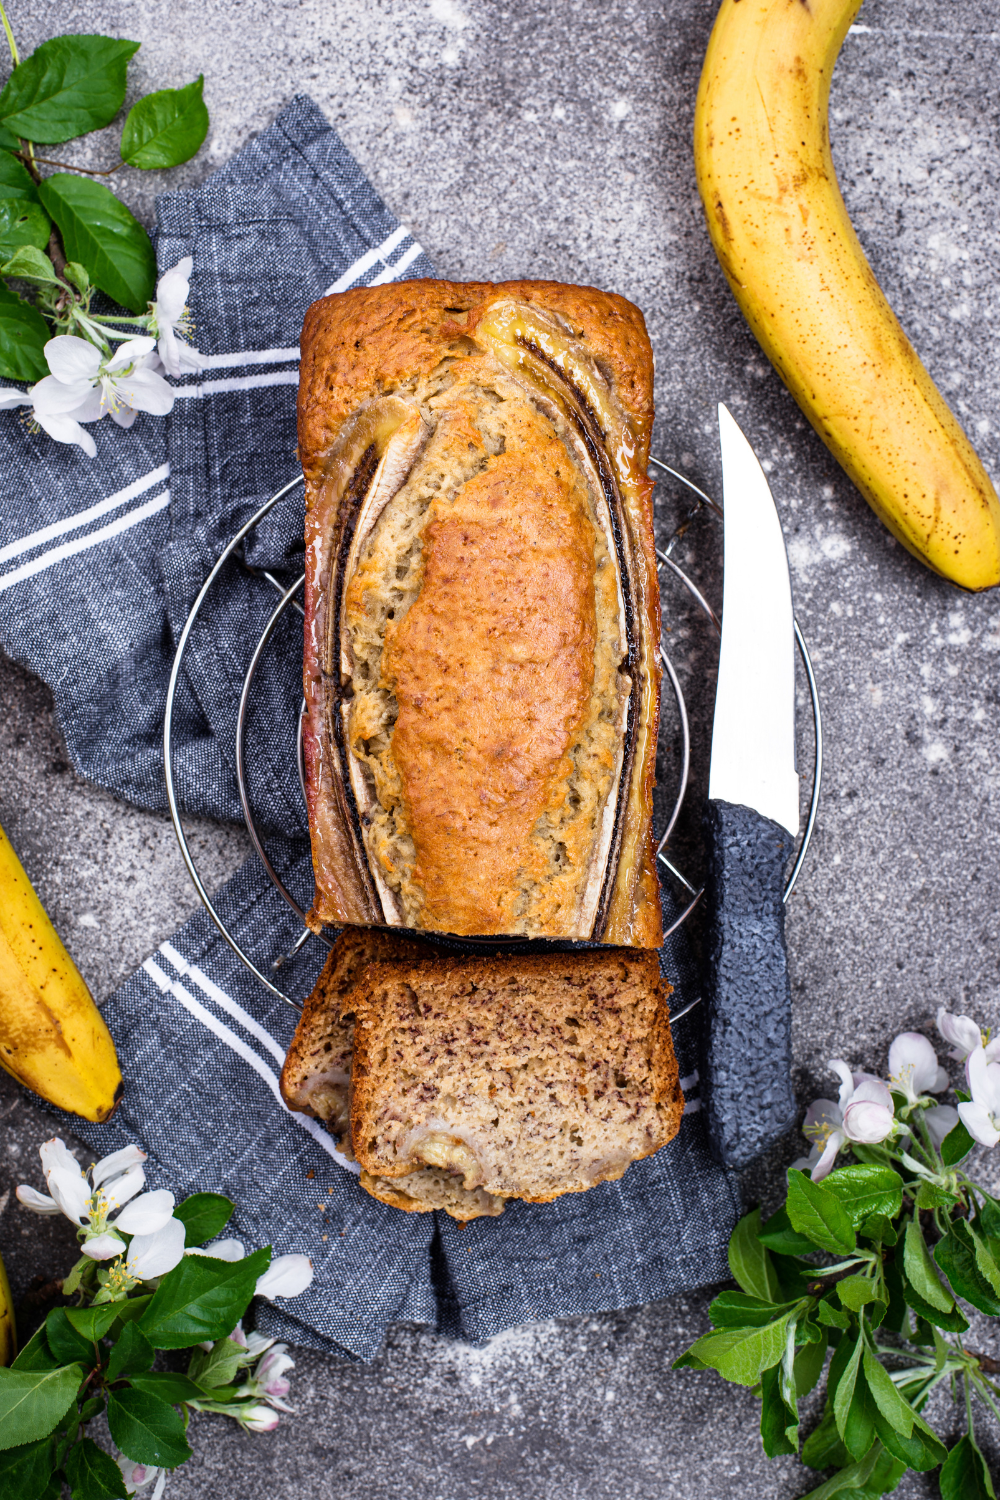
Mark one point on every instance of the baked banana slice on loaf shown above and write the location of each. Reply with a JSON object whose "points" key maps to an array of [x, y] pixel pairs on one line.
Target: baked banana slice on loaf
{"points": [[524, 1077], [482, 610]]}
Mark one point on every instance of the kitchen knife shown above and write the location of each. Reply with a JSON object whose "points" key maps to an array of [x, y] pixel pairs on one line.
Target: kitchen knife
{"points": [[751, 820]]}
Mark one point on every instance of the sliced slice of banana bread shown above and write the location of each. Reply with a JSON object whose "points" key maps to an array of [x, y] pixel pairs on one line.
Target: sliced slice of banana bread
{"points": [[525, 1077], [316, 1075]]}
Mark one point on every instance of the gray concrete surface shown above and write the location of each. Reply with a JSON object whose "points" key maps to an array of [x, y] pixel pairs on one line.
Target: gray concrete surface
{"points": [[552, 139]]}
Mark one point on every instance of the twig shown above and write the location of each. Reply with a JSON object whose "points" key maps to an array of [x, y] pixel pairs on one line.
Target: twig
{"points": [[68, 167]]}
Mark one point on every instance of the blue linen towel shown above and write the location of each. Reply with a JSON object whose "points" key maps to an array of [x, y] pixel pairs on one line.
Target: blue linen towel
{"points": [[100, 562]]}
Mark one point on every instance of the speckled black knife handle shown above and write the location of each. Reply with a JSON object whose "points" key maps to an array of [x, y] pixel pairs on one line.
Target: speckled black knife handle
{"points": [[746, 1084]]}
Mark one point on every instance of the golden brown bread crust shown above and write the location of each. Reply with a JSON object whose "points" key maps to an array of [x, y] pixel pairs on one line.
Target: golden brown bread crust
{"points": [[372, 340], [442, 1046], [371, 344]]}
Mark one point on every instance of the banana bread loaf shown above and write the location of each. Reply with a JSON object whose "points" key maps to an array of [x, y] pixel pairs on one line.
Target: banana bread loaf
{"points": [[482, 610]]}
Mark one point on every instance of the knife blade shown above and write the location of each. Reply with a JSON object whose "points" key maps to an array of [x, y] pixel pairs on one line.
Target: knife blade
{"points": [[751, 820]]}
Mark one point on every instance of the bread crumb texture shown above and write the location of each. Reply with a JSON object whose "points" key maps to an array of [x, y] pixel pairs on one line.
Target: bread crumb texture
{"points": [[520, 1077]]}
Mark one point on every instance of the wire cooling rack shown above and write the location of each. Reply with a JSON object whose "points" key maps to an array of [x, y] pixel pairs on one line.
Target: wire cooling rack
{"points": [[698, 503]]}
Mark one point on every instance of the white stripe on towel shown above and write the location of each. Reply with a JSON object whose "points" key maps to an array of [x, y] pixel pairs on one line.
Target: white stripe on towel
{"points": [[72, 523], [249, 1056], [370, 258], [236, 383], [82, 543], [392, 272], [249, 357], [222, 1000]]}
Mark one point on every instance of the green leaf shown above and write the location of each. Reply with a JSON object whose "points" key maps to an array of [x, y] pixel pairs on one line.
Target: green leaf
{"points": [[818, 1214], [843, 1394], [866, 1189], [147, 1429], [855, 1292], [66, 1343], [741, 1354], [737, 1310], [201, 1299], [29, 264], [165, 128], [921, 1450], [832, 1316], [920, 1271], [129, 1311], [859, 1419], [33, 1401], [778, 1234], [823, 1448], [985, 1260], [169, 1386], [36, 1354], [956, 1255], [67, 87], [93, 1474], [92, 1322], [880, 1229], [8, 140], [809, 1366], [204, 1215], [132, 1355], [25, 1470], [964, 1475], [749, 1261], [226, 1358], [929, 1195], [23, 336], [77, 275], [779, 1422], [989, 1218], [897, 1412], [956, 1145], [15, 179], [952, 1322], [100, 233], [885, 1476], [22, 223]]}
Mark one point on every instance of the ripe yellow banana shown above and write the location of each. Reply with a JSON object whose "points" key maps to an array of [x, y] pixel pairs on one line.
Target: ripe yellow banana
{"points": [[52, 1036], [8, 1328], [799, 274]]}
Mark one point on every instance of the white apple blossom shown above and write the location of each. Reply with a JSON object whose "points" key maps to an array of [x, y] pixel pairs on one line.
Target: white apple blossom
{"points": [[221, 1250], [268, 1379], [981, 1115], [965, 1035], [940, 1119], [256, 1418], [863, 1113], [914, 1069], [87, 383], [287, 1276], [138, 1476], [157, 1252], [65, 429], [114, 1188], [169, 317]]}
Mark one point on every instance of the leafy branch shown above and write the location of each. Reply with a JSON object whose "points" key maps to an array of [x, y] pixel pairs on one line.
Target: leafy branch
{"points": [[80, 236], [139, 1290], [865, 1264]]}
